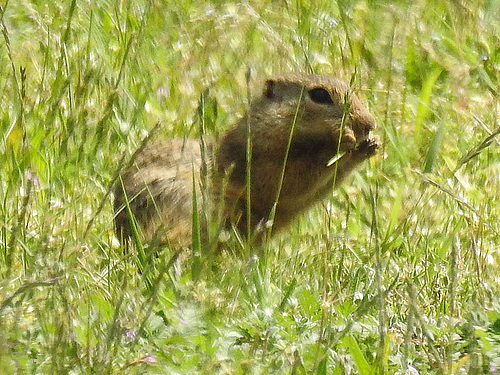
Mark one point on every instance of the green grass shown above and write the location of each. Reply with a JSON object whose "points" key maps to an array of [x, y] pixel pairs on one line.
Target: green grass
{"points": [[398, 268]]}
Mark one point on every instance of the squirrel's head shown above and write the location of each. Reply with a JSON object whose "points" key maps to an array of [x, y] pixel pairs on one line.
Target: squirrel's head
{"points": [[319, 107]]}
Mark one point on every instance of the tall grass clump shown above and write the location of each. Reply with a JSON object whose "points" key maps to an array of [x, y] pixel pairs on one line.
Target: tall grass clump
{"points": [[396, 273]]}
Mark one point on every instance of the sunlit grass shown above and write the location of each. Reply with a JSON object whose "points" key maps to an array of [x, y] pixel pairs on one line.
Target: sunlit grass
{"points": [[397, 271]]}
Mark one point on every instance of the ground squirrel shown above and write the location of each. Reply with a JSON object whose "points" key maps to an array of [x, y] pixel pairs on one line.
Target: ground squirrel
{"points": [[306, 133]]}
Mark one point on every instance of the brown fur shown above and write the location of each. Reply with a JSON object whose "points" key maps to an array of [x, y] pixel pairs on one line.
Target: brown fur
{"points": [[159, 187]]}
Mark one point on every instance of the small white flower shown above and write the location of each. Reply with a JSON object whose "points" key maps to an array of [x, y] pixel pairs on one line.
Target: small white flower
{"points": [[412, 370]]}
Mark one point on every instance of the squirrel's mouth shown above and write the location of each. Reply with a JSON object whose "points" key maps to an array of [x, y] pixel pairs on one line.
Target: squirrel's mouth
{"points": [[349, 142], [354, 138]]}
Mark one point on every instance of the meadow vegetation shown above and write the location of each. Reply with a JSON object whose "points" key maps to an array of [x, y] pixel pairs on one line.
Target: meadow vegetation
{"points": [[396, 273]]}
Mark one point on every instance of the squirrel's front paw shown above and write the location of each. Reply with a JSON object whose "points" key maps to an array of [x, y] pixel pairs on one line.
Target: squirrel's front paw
{"points": [[369, 146]]}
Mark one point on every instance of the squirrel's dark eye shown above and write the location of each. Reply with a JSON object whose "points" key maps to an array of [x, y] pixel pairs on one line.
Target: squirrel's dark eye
{"points": [[320, 96]]}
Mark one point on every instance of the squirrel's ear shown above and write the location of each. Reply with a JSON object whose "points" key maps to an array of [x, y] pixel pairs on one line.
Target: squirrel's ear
{"points": [[269, 89]]}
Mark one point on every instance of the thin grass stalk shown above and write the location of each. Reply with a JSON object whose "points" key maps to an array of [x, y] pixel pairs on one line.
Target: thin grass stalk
{"points": [[379, 281], [452, 276], [113, 96], [116, 175], [20, 222], [287, 151], [248, 177], [476, 150], [149, 304], [5, 34], [433, 352], [196, 247]]}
